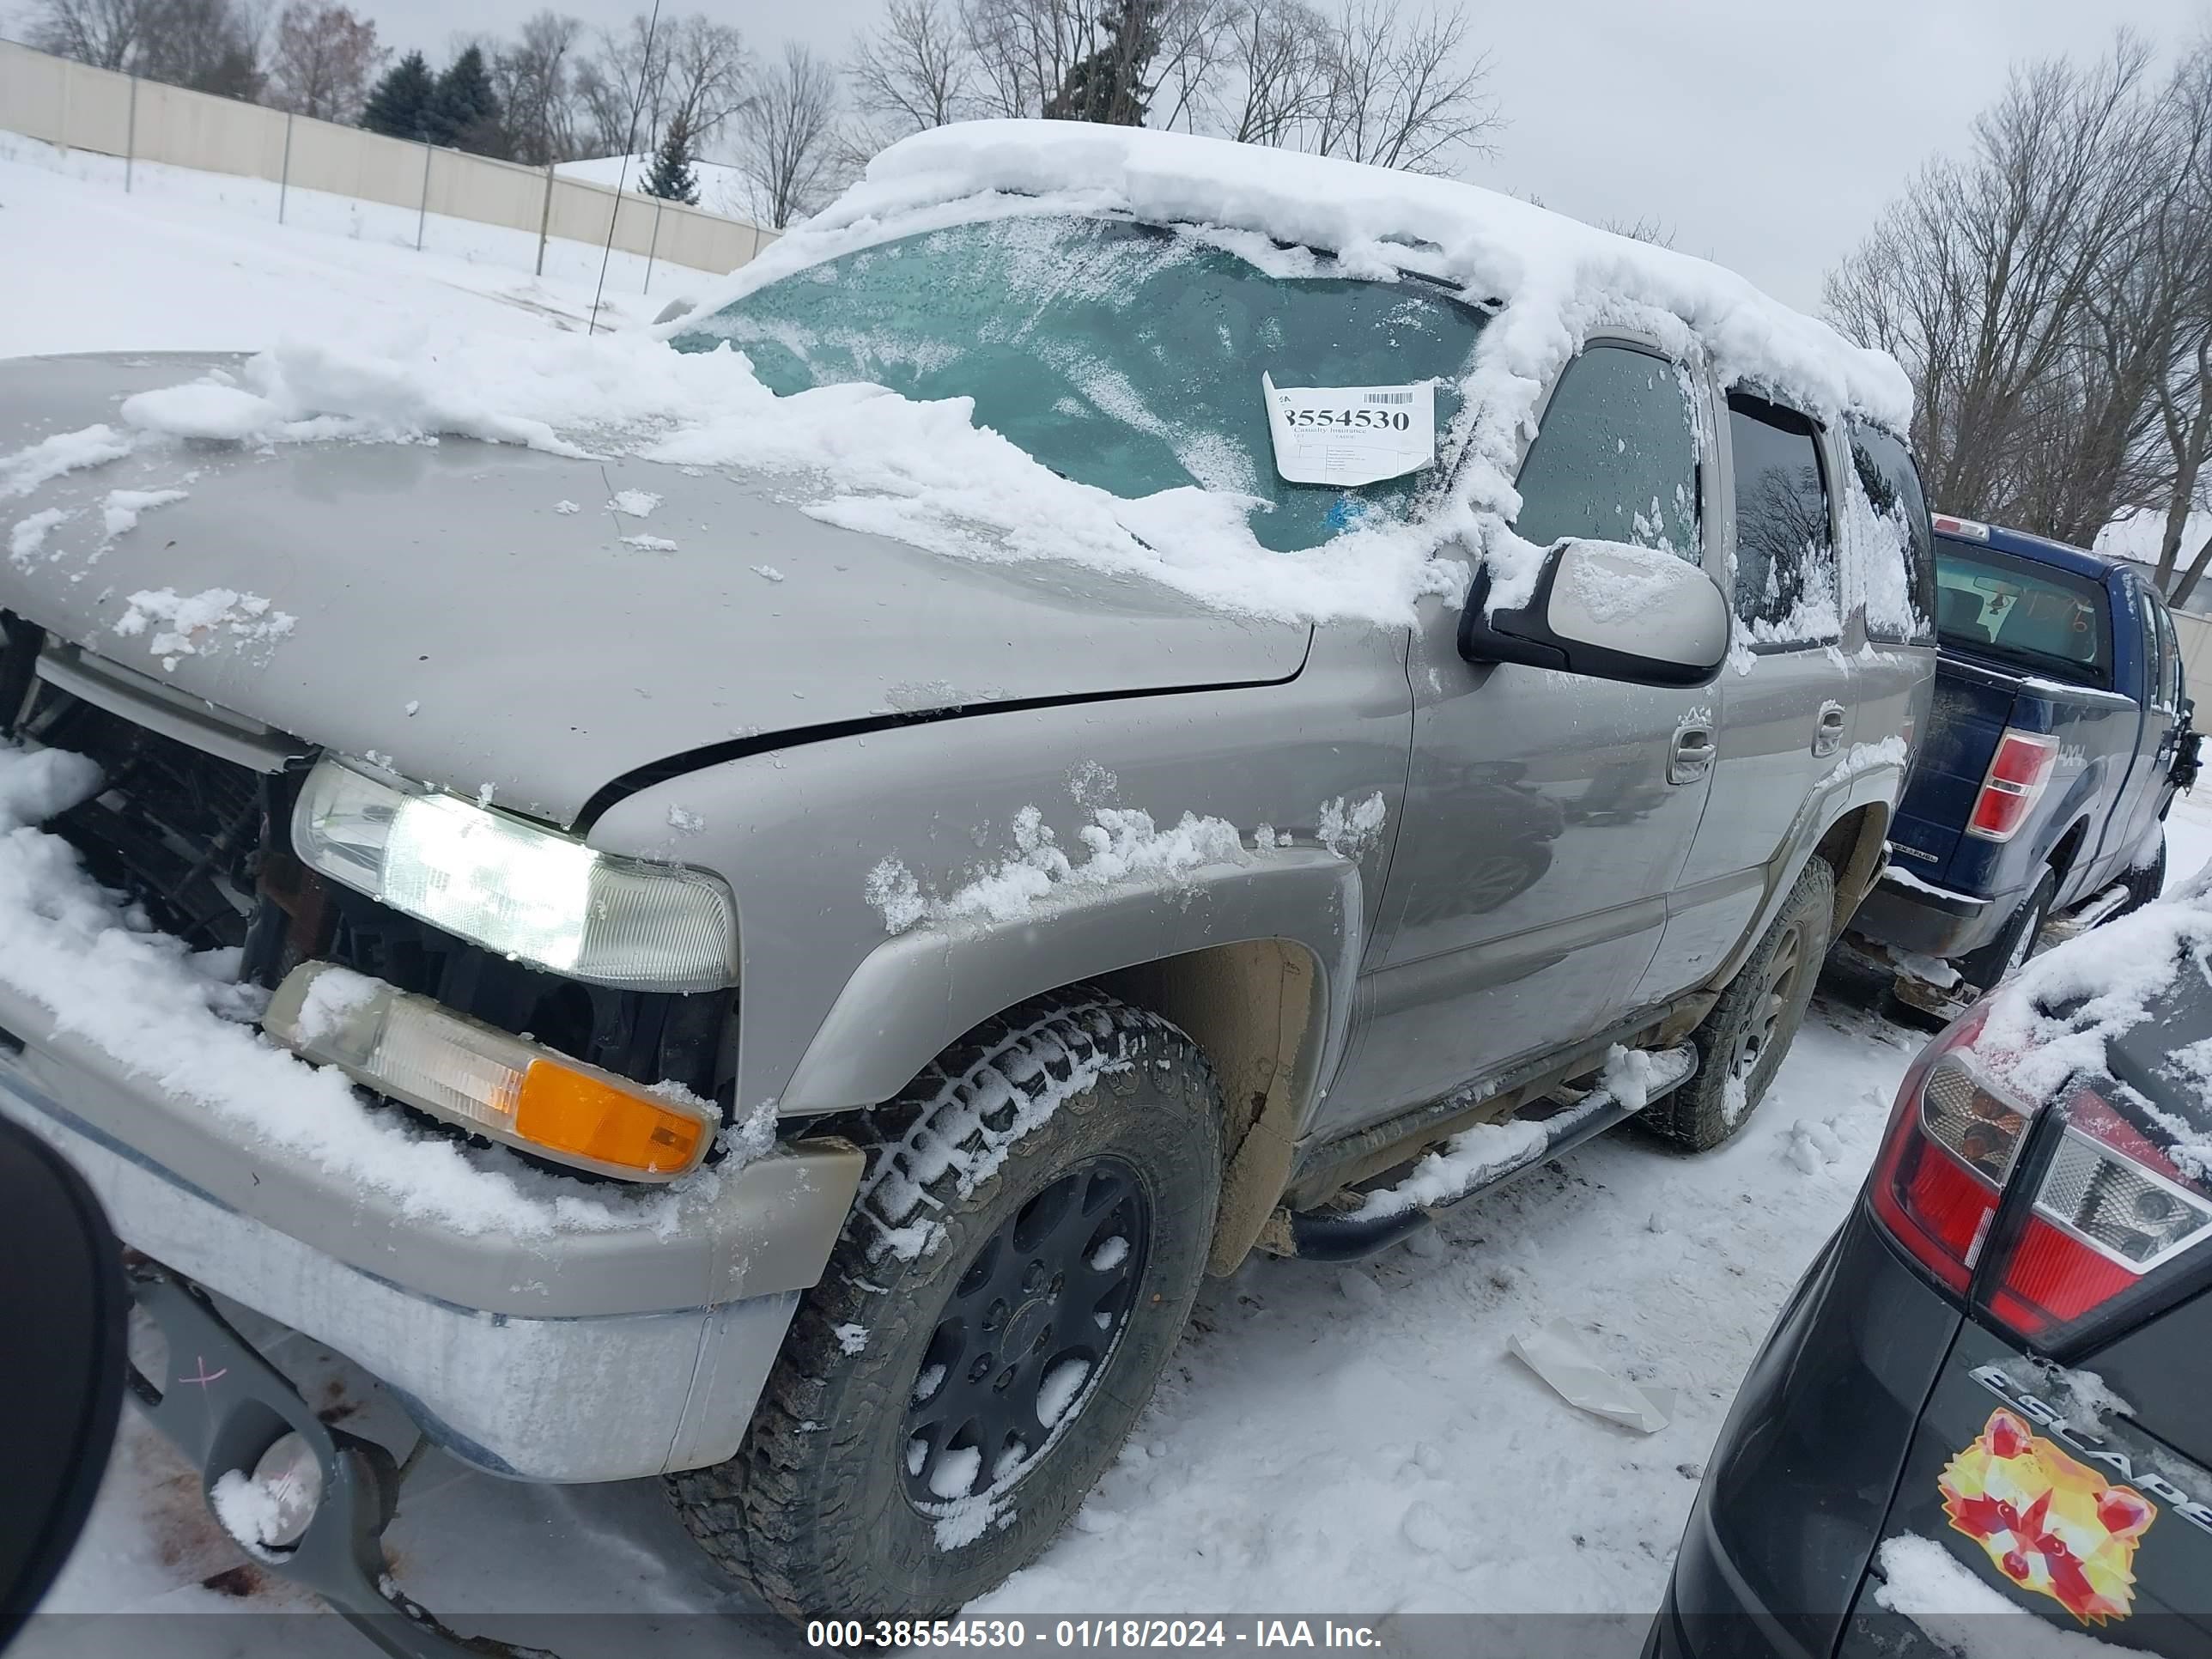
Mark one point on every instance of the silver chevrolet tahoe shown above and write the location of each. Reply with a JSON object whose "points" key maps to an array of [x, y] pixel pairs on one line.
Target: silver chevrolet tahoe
{"points": [[896, 979]]}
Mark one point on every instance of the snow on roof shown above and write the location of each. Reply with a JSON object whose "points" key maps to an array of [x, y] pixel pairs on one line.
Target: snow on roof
{"points": [[927, 474], [1568, 276]]}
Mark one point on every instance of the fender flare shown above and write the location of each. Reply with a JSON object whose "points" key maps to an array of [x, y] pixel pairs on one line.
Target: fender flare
{"points": [[916, 993]]}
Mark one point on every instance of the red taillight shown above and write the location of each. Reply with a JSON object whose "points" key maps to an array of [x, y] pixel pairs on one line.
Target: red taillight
{"points": [[2109, 1206], [2018, 774], [1951, 1142]]}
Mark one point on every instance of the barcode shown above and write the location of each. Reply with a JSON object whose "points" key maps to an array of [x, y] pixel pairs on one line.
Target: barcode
{"points": [[1389, 397]]}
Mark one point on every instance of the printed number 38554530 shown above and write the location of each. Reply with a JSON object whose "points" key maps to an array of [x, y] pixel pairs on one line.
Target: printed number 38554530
{"points": [[1354, 420]]}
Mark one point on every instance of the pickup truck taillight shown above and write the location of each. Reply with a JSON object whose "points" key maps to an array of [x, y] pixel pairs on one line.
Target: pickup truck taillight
{"points": [[2018, 774], [2048, 1221]]}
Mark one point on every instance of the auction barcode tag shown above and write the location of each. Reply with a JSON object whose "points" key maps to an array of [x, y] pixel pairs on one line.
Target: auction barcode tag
{"points": [[1350, 434]]}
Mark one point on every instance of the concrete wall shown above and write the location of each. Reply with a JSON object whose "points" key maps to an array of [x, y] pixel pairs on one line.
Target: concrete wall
{"points": [[2194, 633], [80, 107]]}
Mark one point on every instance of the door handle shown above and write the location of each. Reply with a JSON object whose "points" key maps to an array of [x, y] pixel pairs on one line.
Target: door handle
{"points": [[1828, 734], [1693, 754]]}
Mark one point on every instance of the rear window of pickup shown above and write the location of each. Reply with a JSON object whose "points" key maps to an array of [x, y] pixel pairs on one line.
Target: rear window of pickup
{"points": [[2022, 615]]}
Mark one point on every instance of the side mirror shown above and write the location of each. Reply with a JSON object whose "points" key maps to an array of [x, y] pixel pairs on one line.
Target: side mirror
{"points": [[1608, 610]]}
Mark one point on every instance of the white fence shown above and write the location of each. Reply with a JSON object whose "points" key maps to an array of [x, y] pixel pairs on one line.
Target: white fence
{"points": [[80, 107]]}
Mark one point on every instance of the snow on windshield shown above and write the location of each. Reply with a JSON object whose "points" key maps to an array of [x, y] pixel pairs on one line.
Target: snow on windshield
{"points": [[929, 472]]}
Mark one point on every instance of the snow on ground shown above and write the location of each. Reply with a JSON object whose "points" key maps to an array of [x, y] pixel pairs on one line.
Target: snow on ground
{"points": [[192, 261]]}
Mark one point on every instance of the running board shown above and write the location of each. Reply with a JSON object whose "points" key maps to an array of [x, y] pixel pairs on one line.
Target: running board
{"points": [[1475, 1160], [2082, 917]]}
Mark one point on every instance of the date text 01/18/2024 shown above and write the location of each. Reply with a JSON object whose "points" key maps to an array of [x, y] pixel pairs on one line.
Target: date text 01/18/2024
{"points": [[1090, 1633]]}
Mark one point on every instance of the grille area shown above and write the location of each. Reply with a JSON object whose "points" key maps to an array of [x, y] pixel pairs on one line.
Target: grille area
{"points": [[178, 830]]}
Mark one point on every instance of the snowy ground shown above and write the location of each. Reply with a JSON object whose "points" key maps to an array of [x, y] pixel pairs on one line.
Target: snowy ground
{"points": [[194, 261], [1338, 1440]]}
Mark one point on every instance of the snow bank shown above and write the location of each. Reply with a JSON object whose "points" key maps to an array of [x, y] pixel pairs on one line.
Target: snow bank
{"points": [[142, 999], [925, 473]]}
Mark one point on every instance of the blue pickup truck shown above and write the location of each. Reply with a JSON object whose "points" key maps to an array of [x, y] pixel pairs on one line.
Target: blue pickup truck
{"points": [[2059, 736]]}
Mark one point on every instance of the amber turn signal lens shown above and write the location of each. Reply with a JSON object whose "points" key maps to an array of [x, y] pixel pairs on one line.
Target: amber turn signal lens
{"points": [[570, 1112]]}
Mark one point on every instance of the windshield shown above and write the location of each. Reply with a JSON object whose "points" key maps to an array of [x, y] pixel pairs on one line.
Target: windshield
{"points": [[2042, 620], [1117, 354]]}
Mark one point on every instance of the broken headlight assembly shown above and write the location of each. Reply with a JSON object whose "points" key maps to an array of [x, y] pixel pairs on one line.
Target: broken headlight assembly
{"points": [[514, 887]]}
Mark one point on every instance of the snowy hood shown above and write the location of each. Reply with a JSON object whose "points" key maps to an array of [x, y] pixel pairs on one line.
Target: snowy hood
{"points": [[487, 614]]}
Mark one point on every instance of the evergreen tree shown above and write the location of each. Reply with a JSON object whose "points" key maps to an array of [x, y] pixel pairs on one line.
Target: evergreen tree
{"points": [[464, 109], [400, 105], [1108, 83], [670, 177]]}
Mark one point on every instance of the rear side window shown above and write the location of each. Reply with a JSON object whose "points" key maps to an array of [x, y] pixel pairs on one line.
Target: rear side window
{"points": [[1897, 544], [1785, 549], [2033, 618], [1616, 459]]}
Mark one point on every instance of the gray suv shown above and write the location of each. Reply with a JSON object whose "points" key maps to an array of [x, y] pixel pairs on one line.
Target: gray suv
{"points": [[799, 1021]]}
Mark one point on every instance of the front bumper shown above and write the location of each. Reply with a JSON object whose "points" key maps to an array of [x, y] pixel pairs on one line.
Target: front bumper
{"points": [[585, 1354], [1930, 922]]}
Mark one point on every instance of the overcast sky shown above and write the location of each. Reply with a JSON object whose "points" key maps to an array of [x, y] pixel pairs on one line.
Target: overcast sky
{"points": [[1766, 134]]}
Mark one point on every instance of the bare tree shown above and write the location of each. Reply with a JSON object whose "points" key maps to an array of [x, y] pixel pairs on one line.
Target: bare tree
{"points": [[1024, 49], [535, 77], [1405, 92], [1194, 41], [105, 34], [2012, 286], [209, 45], [705, 76], [1274, 60], [644, 73], [787, 134], [321, 59], [2183, 396], [1645, 227], [913, 71]]}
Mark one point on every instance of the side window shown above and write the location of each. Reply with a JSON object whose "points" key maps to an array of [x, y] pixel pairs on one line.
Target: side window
{"points": [[1616, 459], [1785, 550], [1899, 546]]}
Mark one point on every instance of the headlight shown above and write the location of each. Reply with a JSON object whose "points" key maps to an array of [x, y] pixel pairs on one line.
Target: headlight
{"points": [[516, 889]]}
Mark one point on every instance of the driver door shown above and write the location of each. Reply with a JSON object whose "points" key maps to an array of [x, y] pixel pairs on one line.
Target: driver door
{"points": [[1548, 815]]}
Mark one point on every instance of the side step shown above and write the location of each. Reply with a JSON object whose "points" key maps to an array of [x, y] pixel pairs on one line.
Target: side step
{"points": [[1474, 1161], [2082, 917]]}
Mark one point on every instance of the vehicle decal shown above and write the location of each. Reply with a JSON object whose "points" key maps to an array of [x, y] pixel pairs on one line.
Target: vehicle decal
{"points": [[2095, 1448], [2048, 1522]]}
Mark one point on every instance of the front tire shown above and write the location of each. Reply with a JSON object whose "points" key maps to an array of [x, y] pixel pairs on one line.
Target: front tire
{"points": [[1742, 1041], [1027, 1243]]}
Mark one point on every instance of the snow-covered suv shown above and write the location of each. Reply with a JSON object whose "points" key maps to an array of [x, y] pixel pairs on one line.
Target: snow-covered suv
{"points": [[757, 903]]}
